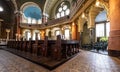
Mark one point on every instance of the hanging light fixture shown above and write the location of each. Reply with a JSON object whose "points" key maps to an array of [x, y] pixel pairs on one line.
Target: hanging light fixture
{"points": [[1, 9]]}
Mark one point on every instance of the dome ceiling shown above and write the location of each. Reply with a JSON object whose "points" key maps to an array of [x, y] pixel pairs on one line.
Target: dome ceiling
{"points": [[39, 2], [33, 12], [45, 5]]}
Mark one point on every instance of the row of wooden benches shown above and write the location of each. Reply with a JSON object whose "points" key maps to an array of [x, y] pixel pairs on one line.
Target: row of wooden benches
{"points": [[55, 49]]}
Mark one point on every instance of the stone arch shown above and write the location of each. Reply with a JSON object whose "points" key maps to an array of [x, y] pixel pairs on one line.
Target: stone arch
{"points": [[66, 26], [93, 12], [24, 33], [29, 4], [15, 5], [26, 5], [68, 29], [47, 32], [104, 5], [81, 22]]}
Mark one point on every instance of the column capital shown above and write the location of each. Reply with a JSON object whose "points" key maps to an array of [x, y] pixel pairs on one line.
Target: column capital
{"points": [[7, 30]]}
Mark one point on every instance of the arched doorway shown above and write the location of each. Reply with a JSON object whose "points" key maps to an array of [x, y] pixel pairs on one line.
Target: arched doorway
{"points": [[85, 36], [27, 35], [67, 34]]}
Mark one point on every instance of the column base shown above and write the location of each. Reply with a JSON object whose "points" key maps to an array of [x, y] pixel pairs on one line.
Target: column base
{"points": [[114, 43], [114, 53]]}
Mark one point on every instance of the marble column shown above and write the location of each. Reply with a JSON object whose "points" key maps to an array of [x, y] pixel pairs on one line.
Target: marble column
{"points": [[1, 20], [114, 39], [74, 31], [80, 30], [44, 19], [8, 32], [18, 19], [42, 34], [31, 34], [62, 32], [16, 37]]}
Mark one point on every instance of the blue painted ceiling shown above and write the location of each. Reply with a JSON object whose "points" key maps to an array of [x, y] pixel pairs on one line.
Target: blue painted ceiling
{"points": [[33, 12]]}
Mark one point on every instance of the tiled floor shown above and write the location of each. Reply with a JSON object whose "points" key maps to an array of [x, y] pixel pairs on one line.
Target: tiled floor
{"points": [[84, 62]]}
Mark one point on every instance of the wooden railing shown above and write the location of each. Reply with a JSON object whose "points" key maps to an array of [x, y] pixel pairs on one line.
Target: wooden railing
{"points": [[25, 25], [57, 49], [47, 24]]}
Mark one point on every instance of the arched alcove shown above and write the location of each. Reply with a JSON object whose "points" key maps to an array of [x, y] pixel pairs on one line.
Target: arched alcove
{"points": [[31, 13], [85, 35], [102, 16], [102, 25]]}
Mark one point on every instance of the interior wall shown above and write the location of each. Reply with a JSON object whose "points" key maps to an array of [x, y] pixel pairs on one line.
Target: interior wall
{"points": [[8, 18]]}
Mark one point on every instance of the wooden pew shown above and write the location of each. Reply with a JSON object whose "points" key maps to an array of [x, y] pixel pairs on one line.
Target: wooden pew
{"points": [[57, 49], [35, 47], [44, 47], [24, 46], [29, 46], [20, 46], [69, 48]]}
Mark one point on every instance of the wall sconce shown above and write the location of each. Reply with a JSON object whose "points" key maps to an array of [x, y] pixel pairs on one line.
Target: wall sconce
{"points": [[1, 9], [73, 23], [83, 15], [97, 3], [62, 28]]}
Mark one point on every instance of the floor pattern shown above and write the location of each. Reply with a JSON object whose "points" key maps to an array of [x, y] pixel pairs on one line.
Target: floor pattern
{"points": [[85, 61]]}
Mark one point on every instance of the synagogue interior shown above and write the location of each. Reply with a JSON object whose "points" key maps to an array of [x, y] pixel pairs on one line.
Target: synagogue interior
{"points": [[59, 35]]}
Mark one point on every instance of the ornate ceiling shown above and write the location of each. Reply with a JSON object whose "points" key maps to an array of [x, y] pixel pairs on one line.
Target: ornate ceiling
{"points": [[48, 5], [18, 3], [45, 5]]}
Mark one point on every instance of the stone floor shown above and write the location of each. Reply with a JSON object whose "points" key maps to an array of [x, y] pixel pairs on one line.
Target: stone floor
{"points": [[85, 61]]}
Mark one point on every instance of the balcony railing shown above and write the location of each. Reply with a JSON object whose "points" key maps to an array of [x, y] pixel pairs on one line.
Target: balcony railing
{"points": [[47, 24]]}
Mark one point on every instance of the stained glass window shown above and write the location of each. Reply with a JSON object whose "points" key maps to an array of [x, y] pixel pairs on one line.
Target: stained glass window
{"points": [[63, 9]]}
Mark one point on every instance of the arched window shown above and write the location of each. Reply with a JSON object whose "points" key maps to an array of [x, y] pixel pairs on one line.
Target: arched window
{"points": [[102, 25], [36, 34], [57, 32], [32, 14], [67, 34], [27, 35], [63, 9]]}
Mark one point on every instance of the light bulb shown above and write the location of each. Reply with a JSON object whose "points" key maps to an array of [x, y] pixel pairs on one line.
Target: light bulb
{"points": [[97, 3], [1, 9], [83, 15]]}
